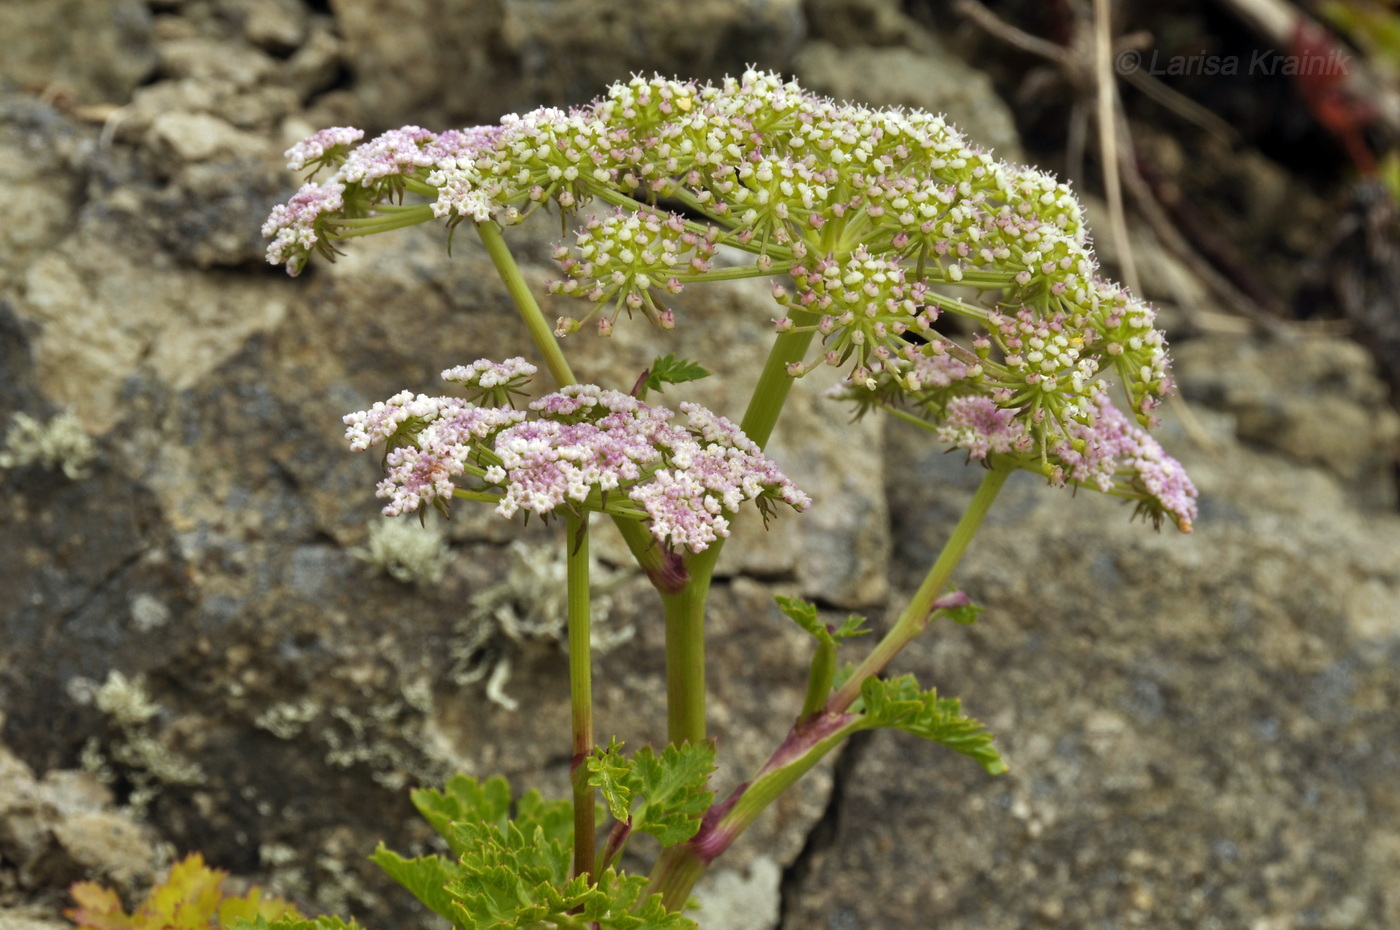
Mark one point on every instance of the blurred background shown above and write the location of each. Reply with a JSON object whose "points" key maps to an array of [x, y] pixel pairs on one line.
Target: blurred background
{"points": [[209, 639]]}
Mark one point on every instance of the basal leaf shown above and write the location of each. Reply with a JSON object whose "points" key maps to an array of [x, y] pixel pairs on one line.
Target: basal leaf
{"points": [[98, 908], [464, 799], [673, 789], [297, 922], [554, 818], [609, 771], [426, 877], [253, 905], [190, 898]]}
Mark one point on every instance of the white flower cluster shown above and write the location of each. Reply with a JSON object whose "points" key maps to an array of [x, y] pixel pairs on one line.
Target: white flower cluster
{"points": [[872, 214]]}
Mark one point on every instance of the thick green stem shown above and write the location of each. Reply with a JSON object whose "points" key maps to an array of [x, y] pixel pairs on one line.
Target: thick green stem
{"points": [[685, 608], [916, 614], [684, 611], [580, 688], [816, 734]]}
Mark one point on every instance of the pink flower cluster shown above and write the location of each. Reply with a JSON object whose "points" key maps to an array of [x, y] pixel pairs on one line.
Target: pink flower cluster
{"points": [[1107, 453], [583, 446]]}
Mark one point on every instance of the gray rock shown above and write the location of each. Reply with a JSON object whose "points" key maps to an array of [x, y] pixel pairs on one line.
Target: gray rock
{"points": [[93, 50], [61, 829], [501, 57], [1315, 399]]}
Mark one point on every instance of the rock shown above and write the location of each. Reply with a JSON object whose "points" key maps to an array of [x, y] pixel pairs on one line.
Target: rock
{"points": [[211, 61], [862, 23], [62, 828], [1315, 399], [188, 137], [1151, 692], [737, 900], [107, 844], [32, 918], [935, 81], [498, 58], [94, 50], [276, 25], [1199, 729]]}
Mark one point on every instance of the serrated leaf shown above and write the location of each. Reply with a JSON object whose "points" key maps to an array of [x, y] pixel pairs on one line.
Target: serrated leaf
{"points": [[608, 771], [899, 704], [295, 923], [98, 908], [854, 625], [671, 370], [512, 880], [462, 799], [555, 819], [253, 905], [426, 877], [673, 789], [624, 913], [190, 898], [804, 614]]}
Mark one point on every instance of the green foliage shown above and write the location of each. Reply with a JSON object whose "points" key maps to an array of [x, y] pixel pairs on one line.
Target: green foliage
{"points": [[804, 614], [464, 798], [899, 704], [426, 877], [297, 922], [671, 787], [513, 874], [965, 615], [191, 898], [671, 370]]}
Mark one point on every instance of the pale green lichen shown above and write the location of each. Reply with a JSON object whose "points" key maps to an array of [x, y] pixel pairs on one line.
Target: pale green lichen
{"points": [[125, 700], [529, 606], [60, 444], [145, 761], [406, 551]]}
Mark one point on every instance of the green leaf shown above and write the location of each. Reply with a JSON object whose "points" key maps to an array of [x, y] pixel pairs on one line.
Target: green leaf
{"points": [[965, 613], [854, 625], [295, 923], [671, 370], [513, 879], [608, 771], [426, 877], [464, 798], [672, 786], [804, 614], [899, 704], [555, 819], [190, 898]]}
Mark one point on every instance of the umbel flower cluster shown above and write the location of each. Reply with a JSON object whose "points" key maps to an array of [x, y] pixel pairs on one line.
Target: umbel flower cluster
{"points": [[875, 222], [585, 448]]}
